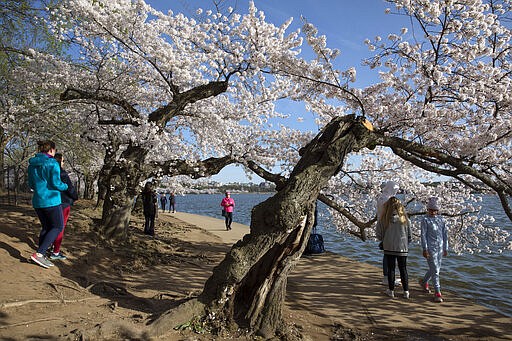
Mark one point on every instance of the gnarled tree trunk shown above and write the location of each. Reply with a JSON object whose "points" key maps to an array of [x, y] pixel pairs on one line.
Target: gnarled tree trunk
{"points": [[123, 181], [248, 287]]}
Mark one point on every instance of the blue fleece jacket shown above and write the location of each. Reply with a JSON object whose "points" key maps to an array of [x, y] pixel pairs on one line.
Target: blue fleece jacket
{"points": [[44, 179]]}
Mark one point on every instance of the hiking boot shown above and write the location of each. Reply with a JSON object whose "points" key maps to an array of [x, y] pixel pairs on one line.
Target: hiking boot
{"points": [[438, 297], [58, 256], [41, 260], [406, 294], [424, 285], [390, 293]]}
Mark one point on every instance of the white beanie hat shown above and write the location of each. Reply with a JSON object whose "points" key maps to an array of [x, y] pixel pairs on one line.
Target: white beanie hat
{"points": [[433, 204]]}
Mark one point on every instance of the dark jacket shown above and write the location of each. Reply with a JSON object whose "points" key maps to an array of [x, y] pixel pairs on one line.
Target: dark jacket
{"points": [[68, 196], [44, 179], [149, 203]]}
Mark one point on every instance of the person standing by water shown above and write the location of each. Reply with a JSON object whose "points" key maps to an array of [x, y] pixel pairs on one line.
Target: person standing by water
{"points": [[163, 201], [172, 203], [150, 208], [434, 242], [394, 229], [389, 189], [68, 197], [44, 179], [228, 205]]}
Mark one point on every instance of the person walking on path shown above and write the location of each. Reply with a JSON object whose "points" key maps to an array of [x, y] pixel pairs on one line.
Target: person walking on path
{"points": [[394, 229], [150, 208], [434, 242], [172, 203], [163, 201], [228, 205], [389, 189], [68, 197], [44, 179]]}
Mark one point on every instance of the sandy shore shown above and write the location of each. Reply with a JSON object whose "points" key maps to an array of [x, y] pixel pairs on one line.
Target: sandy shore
{"points": [[329, 289]]}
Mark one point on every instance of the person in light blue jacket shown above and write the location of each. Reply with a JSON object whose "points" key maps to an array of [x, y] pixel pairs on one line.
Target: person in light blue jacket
{"points": [[44, 180], [434, 242]]}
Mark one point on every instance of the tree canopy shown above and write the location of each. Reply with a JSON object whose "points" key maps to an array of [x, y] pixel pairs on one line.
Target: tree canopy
{"points": [[193, 95]]}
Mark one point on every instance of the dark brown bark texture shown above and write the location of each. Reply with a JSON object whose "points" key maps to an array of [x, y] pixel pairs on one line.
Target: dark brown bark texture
{"points": [[248, 287], [109, 162], [3, 144], [124, 178]]}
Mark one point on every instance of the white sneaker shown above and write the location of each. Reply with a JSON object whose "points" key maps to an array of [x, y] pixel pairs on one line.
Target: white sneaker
{"points": [[390, 293], [398, 282], [406, 294]]}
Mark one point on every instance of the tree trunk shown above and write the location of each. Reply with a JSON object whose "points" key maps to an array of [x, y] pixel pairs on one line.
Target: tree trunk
{"points": [[88, 180], [109, 161], [123, 182], [3, 167], [248, 287]]}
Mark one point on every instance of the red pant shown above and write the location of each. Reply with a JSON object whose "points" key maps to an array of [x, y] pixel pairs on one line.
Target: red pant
{"points": [[58, 240]]}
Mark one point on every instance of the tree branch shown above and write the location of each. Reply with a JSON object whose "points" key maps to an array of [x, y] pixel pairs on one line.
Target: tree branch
{"points": [[196, 169], [75, 94], [163, 114], [427, 157]]}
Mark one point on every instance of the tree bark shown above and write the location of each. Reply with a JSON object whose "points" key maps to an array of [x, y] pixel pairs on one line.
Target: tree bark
{"points": [[3, 167], [109, 161], [123, 181], [89, 187], [248, 287]]}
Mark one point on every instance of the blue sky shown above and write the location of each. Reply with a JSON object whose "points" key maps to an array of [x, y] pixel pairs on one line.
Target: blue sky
{"points": [[346, 23]]}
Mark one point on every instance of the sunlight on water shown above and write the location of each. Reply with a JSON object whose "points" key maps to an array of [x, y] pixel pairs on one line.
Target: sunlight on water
{"points": [[483, 278]]}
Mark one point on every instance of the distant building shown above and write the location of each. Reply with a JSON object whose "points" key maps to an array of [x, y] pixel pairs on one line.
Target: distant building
{"points": [[266, 185]]}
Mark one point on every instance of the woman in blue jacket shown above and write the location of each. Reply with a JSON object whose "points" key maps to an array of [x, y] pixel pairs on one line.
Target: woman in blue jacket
{"points": [[44, 180]]}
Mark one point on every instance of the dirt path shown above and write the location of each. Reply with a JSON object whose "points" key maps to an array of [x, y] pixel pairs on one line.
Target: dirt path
{"points": [[329, 297]]}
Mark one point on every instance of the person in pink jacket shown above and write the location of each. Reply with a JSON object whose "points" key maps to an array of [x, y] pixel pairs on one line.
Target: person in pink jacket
{"points": [[228, 205]]}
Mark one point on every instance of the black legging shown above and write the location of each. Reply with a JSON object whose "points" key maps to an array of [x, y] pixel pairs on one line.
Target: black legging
{"points": [[229, 219], [402, 266], [149, 225]]}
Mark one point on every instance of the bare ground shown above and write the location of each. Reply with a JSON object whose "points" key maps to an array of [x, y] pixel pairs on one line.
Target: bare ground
{"points": [[112, 292]]}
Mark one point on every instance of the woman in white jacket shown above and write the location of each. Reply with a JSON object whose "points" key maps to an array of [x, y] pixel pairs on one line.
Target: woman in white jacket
{"points": [[394, 229]]}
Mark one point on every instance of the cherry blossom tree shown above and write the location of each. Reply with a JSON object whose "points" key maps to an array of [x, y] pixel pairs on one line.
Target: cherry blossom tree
{"points": [[170, 95], [165, 94], [436, 112], [444, 106], [20, 30]]}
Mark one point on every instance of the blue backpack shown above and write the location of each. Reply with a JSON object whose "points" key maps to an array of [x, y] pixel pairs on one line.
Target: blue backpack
{"points": [[315, 244]]}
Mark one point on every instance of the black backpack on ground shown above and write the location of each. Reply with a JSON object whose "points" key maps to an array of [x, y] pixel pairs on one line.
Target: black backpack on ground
{"points": [[315, 244]]}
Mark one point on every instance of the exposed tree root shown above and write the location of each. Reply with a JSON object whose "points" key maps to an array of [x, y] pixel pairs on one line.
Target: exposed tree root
{"points": [[113, 288], [30, 322], [21, 303], [176, 317]]}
